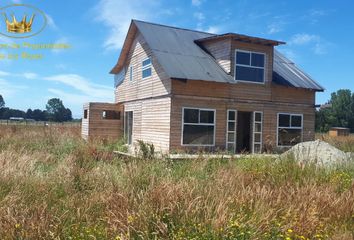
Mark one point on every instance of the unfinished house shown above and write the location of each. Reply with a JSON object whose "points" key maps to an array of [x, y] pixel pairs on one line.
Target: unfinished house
{"points": [[186, 90]]}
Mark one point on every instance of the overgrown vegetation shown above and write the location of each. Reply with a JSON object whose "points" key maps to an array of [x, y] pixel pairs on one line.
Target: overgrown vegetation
{"points": [[53, 185]]}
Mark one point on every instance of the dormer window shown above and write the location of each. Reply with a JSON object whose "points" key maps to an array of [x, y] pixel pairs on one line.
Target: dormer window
{"points": [[146, 68], [249, 66]]}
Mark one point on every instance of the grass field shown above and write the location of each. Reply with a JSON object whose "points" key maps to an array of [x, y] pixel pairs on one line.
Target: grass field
{"points": [[55, 186]]}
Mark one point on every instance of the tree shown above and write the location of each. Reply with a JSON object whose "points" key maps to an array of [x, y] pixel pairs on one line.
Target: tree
{"points": [[2, 102], [39, 115], [56, 111], [29, 114], [339, 114]]}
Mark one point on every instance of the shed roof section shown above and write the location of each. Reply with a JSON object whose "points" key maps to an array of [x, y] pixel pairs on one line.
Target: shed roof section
{"points": [[243, 38], [179, 51], [286, 73]]}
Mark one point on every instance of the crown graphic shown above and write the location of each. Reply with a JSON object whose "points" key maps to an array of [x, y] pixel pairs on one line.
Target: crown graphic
{"points": [[19, 27]]}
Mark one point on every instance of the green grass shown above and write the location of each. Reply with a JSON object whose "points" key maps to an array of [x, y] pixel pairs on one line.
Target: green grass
{"points": [[53, 185]]}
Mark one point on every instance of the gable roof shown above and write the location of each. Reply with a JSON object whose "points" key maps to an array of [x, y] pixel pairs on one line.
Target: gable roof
{"points": [[180, 56]]}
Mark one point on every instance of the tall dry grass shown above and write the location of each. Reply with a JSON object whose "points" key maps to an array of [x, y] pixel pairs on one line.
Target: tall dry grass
{"points": [[53, 185]]}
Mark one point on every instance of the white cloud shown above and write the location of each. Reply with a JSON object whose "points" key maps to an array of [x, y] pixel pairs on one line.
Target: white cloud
{"points": [[117, 14], [304, 38], [318, 45], [2, 73], [30, 75], [7, 89], [199, 16], [83, 85], [213, 29], [197, 2], [274, 27], [62, 40]]}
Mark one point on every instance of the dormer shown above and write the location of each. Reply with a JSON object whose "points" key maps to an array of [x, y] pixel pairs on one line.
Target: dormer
{"points": [[247, 59]]}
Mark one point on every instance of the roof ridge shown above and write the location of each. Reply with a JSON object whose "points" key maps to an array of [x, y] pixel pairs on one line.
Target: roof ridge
{"points": [[180, 28]]}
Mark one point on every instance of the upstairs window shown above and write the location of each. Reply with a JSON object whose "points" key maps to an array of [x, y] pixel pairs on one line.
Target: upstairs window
{"points": [[146, 68], [249, 66], [131, 73]]}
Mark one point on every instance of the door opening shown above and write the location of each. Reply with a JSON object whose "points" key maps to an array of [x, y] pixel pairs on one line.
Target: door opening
{"points": [[243, 139], [128, 126]]}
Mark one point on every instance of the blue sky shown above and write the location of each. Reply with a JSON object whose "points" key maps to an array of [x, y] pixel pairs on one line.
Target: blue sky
{"points": [[319, 36]]}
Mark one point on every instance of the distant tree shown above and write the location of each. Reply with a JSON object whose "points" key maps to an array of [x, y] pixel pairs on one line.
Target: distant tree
{"points": [[2, 102], [57, 112], [39, 115], [29, 114], [339, 114]]}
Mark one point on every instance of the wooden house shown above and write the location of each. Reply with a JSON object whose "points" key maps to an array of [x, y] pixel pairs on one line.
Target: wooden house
{"points": [[188, 90]]}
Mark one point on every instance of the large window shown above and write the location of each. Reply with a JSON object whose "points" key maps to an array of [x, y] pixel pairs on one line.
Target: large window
{"points": [[289, 129], [146, 68], [109, 114], [198, 127], [249, 66]]}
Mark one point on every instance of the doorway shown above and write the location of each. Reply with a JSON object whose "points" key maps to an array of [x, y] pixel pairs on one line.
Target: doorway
{"points": [[243, 136], [128, 127]]}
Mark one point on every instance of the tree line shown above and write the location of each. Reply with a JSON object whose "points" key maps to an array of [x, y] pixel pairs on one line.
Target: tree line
{"points": [[337, 112], [55, 111]]}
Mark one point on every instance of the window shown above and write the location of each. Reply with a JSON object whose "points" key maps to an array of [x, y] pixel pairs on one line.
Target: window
{"points": [[249, 66], [131, 73], [289, 129], [109, 114], [198, 127], [85, 114], [146, 68], [128, 127], [231, 131]]}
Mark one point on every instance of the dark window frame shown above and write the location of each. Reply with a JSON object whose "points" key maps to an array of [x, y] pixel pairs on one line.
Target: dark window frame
{"points": [[146, 67], [111, 115]]}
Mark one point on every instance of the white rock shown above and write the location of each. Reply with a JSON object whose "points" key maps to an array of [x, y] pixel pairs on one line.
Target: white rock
{"points": [[318, 153]]}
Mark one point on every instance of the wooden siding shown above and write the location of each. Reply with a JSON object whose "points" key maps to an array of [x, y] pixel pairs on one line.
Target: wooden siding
{"points": [[97, 127], [151, 121], [269, 110], [156, 85], [221, 51]]}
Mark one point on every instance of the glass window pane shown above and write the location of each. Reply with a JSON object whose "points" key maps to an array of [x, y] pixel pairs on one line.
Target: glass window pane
{"points": [[296, 121], [147, 72], [232, 115], [230, 137], [249, 74], [231, 148], [284, 120], [131, 73], [289, 137], [206, 116], [257, 60], [231, 126], [258, 117], [258, 127], [257, 137], [191, 116], [257, 148], [243, 58], [198, 135], [146, 62]]}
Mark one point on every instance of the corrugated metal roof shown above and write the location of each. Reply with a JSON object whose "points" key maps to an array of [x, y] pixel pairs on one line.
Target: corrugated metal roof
{"points": [[182, 58], [286, 73], [179, 56]]}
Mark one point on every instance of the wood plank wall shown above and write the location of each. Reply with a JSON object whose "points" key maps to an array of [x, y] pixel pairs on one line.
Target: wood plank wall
{"points": [[97, 127], [156, 85], [151, 121]]}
